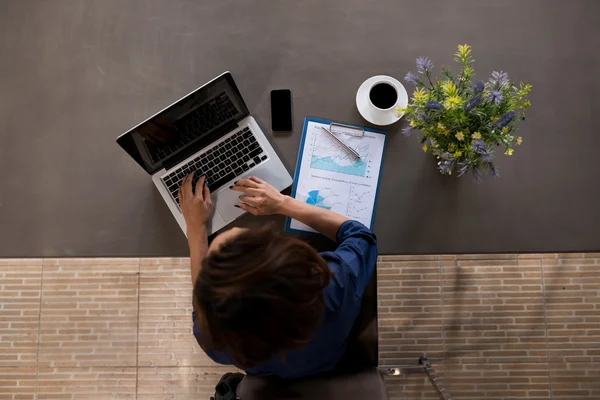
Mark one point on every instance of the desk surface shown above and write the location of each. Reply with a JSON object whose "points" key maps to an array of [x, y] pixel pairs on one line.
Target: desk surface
{"points": [[76, 75]]}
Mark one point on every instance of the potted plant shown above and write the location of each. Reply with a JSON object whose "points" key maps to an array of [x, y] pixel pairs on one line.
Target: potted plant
{"points": [[462, 123]]}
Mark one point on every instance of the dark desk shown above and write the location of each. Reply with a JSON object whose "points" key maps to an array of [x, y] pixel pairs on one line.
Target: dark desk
{"points": [[74, 75]]}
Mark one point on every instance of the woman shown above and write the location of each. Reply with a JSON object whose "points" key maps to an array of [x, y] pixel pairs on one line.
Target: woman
{"points": [[270, 304]]}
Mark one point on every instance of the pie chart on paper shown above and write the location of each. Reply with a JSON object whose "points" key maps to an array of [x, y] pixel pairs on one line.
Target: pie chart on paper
{"points": [[315, 199]]}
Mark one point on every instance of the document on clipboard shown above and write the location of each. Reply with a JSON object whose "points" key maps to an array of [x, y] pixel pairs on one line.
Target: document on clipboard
{"points": [[330, 176]]}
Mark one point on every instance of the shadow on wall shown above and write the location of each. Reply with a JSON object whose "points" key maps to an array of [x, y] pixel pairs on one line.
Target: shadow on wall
{"points": [[494, 312]]}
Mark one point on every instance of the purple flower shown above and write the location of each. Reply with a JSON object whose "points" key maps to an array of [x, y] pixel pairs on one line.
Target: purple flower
{"points": [[424, 117], [476, 170], [495, 97], [471, 103], [407, 131], [424, 65], [478, 146], [433, 105], [412, 78], [492, 170], [446, 166], [484, 152], [479, 86], [504, 120], [499, 78], [462, 168]]}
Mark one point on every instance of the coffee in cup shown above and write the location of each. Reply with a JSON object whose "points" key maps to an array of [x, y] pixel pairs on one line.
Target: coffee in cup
{"points": [[383, 95]]}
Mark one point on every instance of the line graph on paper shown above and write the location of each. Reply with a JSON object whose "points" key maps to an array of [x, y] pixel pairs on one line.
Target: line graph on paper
{"points": [[327, 155], [356, 210], [359, 194], [360, 204], [360, 212]]}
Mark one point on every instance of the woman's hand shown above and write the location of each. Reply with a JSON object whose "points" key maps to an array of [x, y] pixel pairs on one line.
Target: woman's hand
{"points": [[195, 207], [258, 198]]}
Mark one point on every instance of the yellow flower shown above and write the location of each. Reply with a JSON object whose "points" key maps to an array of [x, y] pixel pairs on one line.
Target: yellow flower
{"points": [[453, 102], [464, 51], [477, 135], [446, 132], [449, 89], [413, 124], [495, 119], [519, 140], [457, 154], [440, 126], [419, 95], [460, 136], [505, 129], [509, 152], [425, 147]]}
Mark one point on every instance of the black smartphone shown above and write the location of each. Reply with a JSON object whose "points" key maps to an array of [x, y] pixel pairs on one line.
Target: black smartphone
{"points": [[281, 110]]}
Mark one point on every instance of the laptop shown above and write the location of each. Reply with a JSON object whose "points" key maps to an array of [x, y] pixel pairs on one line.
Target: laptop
{"points": [[208, 132]]}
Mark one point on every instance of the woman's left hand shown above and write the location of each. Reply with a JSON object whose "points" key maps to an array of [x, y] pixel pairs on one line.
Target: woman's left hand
{"points": [[196, 207], [258, 198]]}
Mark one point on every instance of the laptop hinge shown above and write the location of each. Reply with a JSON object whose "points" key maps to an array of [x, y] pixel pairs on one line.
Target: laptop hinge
{"points": [[199, 145]]}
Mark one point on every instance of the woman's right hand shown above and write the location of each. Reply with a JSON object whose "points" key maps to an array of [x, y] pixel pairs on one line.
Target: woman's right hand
{"points": [[258, 197]]}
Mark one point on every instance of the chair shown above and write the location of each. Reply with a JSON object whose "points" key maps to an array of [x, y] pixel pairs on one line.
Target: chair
{"points": [[356, 378], [362, 384]]}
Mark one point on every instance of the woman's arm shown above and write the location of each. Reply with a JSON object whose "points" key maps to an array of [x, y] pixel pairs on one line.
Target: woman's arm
{"points": [[198, 244], [196, 211], [324, 221], [260, 198]]}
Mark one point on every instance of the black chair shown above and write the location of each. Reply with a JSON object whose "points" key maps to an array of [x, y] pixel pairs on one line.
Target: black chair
{"points": [[356, 377], [365, 384]]}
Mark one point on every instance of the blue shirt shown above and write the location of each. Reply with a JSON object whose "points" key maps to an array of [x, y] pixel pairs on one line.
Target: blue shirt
{"points": [[352, 265]]}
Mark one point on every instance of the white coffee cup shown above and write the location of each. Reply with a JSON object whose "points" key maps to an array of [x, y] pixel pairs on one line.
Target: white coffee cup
{"points": [[378, 99]]}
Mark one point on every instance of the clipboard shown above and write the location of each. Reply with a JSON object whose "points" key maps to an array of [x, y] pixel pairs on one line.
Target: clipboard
{"points": [[325, 178]]}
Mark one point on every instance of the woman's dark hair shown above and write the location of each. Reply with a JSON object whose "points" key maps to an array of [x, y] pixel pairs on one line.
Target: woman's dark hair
{"points": [[261, 294]]}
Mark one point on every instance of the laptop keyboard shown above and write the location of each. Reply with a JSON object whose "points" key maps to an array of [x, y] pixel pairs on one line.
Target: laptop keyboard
{"points": [[195, 124], [222, 163]]}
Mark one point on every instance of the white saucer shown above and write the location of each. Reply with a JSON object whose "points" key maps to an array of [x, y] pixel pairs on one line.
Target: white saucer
{"points": [[374, 114]]}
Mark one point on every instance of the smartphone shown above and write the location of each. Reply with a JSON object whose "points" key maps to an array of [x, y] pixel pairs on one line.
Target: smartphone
{"points": [[281, 110]]}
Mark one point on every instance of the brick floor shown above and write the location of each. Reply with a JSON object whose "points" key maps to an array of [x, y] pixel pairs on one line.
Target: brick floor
{"points": [[502, 326]]}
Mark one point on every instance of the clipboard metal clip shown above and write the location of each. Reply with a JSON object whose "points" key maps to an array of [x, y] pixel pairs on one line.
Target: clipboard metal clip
{"points": [[346, 129]]}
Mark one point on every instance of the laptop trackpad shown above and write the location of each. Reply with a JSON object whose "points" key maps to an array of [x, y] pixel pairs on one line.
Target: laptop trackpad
{"points": [[226, 201]]}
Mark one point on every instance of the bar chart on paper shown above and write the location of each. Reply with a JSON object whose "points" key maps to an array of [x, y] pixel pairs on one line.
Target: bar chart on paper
{"points": [[332, 178]]}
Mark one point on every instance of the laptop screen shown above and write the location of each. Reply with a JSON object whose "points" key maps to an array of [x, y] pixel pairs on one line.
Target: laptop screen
{"points": [[187, 126]]}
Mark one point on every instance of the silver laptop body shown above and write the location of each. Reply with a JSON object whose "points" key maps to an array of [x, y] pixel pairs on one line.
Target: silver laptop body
{"points": [[207, 132]]}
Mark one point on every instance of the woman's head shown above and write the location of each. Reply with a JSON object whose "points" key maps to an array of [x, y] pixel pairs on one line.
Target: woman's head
{"points": [[260, 293]]}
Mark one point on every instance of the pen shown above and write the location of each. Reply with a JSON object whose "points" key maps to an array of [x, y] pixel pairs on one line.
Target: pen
{"points": [[344, 145]]}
